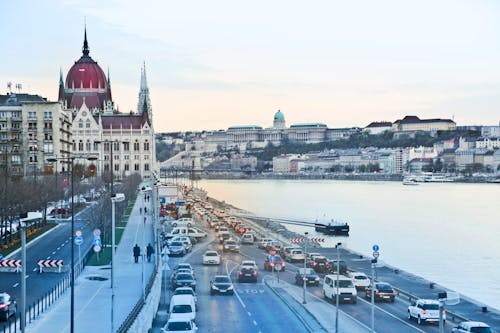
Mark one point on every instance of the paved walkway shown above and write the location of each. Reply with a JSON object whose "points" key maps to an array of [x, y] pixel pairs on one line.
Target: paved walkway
{"points": [[93, 296]]}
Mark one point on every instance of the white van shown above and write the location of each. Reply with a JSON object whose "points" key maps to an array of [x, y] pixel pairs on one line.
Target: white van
{"points": [[182, 307], [347, 290]]}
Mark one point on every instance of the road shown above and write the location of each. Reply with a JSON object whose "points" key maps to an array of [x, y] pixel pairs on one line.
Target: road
{"points": [[256, 309], [54, 245]]}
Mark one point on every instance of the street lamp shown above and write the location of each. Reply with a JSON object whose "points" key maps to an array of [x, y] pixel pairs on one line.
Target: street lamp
{"points": [[71, 160], [305, 267], [22, 224], [118, 197], [337, 246]]}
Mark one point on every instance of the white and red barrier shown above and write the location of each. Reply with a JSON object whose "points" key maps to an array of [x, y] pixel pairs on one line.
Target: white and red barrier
{"points": [[301, 240], [9, 265], [50, 265]]}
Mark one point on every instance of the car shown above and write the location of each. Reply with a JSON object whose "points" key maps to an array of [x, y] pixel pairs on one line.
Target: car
{"points": [[332, 266], [249, 263], [295, 255], [274, 245], [320, 264], [425, 310], [247, 274], [383, 292], [472, 326], [182, 307], [177, 249], [180, 325], [310, 258], [230, 245], [8, 306], [186, 291], [183, 280], [183, 265], [285, 250], [211, 258], [184, 239], [221, 284], [183, 222], [309, 275], [263, 243], [223, 236], [247, 238], [360, 280], [271, 262], [346, 290]]}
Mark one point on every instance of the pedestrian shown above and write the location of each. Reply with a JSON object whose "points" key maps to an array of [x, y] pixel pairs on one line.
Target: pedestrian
{"points": [[149, 251], [137, 253], [145, 210], [140, 210]]}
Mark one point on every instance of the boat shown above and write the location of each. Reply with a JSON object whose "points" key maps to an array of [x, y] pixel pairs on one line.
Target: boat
{"points": [[410, 181], [332, 228]]}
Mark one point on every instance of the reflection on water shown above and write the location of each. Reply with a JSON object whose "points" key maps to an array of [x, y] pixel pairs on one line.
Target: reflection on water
{"points": [[448, 233]]}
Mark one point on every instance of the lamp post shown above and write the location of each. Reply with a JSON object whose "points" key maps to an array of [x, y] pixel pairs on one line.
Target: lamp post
{"points": [[337, 290], [372, 291], [118, 197], [22, 224], [305, 267], [71, 160]]}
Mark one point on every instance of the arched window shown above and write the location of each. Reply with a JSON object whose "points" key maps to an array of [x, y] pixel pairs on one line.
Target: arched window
{"points": [[88, 146], [80, 145], [80, 123], [136, 145], [146, 145], [87, 124]]}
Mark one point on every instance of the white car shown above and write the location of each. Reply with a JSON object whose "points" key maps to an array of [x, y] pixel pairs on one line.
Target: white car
{"points": [[178, 325], [472, 326], [211, 258], [360, 280], [183, 222], [249, 263], [425, 310]]}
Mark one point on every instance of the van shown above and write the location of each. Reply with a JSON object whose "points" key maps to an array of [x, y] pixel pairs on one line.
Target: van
{"points": [[346, 289], [182, 307]]}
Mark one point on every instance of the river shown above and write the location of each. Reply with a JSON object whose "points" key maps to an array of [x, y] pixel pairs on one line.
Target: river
{"points": [[447, 233]]}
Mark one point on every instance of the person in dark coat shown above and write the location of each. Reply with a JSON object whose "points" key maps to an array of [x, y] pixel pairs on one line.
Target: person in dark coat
{"points": [[149, 251], [137, 253]]}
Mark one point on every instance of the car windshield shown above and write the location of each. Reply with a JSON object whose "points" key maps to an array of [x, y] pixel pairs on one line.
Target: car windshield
{"points": [[296, 251], [183, 292], [480, 329], [430, 307], [307, 271], [382, 286], [222, 279], [230, 242], [176, 244], [248, 263], [344, 283], [211, 254], [179, 326], [360, 277], [182, 308], [320, 260], [183, 276]]}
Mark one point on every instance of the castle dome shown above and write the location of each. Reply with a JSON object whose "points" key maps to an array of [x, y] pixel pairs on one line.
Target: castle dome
{"points": [[279, 116]]}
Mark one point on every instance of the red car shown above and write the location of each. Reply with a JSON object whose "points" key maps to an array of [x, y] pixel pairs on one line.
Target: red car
{"points": [[272, 261]]}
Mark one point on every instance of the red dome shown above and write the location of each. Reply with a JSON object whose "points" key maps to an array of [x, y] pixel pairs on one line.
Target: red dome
{"points": [[86, 74]]}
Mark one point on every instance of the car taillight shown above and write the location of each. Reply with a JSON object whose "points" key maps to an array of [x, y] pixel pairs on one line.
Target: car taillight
{"points": [[394, 292], [3, 306], [376, 291], [254, 273], [315, 263], [241, 273]]}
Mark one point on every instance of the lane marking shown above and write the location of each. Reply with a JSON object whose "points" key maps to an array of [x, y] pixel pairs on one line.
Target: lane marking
{"points": [[49, 256], [15, 285], [58, 249], [255, 323], [249, 314], [34, 269]]}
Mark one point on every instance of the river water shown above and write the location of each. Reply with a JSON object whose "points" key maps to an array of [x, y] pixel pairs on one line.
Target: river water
{"points": [[447, 233]]}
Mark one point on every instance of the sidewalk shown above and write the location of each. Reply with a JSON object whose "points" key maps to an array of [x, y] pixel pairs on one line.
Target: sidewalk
{"points": [[93, 287]]}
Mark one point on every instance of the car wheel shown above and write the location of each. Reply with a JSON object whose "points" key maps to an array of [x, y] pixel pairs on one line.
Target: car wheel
{"points": [[419, 320], [409, 315], [174, 225]]}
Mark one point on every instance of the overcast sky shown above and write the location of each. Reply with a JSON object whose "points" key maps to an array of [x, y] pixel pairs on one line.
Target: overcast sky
{"points": [[214, 64]]}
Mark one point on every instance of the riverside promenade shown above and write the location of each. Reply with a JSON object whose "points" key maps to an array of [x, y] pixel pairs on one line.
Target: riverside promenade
{"points": [[93, 287]]}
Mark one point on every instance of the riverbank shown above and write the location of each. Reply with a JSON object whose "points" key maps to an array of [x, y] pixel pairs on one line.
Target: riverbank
{"points": [[408, 285]]}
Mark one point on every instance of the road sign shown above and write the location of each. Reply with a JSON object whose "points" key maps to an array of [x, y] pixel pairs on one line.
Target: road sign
{"points": [[78, 240], [78, 233], [97, 248], [97, 232], [180, 203], [375, 248], [97, 241], [277, 267], [375, 254]]}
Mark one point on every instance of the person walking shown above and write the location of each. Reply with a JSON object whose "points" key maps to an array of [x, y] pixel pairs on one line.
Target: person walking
{"points": [[149, 251], [140, 210], [137, 253]]}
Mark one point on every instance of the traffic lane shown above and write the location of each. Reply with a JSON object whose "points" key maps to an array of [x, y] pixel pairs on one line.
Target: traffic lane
{"points": [[388, 316]]}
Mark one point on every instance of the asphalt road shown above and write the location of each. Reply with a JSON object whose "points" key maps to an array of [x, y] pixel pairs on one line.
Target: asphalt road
{"points": [[53, 245], [256, 309]]}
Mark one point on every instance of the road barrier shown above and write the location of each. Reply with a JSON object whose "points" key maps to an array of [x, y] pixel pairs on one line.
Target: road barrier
{"points": [[50, 265], [9, 265]]}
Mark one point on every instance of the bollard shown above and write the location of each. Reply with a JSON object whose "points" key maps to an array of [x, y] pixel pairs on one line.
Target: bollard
{"points": [[484, 309]]}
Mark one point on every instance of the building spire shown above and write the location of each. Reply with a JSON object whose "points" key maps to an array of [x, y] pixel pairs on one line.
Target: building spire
{"points": [[85, 49], [144, 82], [61, 82], [144, 103]]}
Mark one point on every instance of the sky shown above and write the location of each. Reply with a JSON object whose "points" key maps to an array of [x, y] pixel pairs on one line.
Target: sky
{"points": [[220, 63]]}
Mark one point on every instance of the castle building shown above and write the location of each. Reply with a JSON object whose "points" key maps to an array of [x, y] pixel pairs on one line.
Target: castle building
{"points": [[123, 142]]}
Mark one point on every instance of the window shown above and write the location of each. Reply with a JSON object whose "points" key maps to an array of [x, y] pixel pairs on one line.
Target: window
{"points": [[126, 146], [136, 167], [116, 167], [116, 146], [106, 167], [80, 145], [146, 167], [96, 146], [126, 157], [106, 146], [74, 145], [136, 145], [126, 167], [87, 124], [146, 145], [47, 115], [146, 157], [106, 157], [31, 115], [80, 124], [117, 157], [88, 145]]}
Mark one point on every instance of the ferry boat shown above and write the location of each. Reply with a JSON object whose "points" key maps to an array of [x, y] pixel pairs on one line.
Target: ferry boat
{"points": [[332, 228], [410, 181]]}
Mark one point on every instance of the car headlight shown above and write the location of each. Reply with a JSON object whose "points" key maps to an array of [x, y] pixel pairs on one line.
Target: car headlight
{"points": [[316, 278], [230, 287], [215, 287]]}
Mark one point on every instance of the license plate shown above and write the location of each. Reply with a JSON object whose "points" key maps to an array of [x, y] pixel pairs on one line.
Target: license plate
{"points": [[346, 298], [248, 274], [222, 291], [386, 297]]}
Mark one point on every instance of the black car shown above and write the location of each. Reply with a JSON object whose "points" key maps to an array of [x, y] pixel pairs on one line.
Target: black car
{"points": [[8, 306], [311, 277], [247, 274], [332, 266], [383, 292], [320, 264], [221, 284], [183, 280]]}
